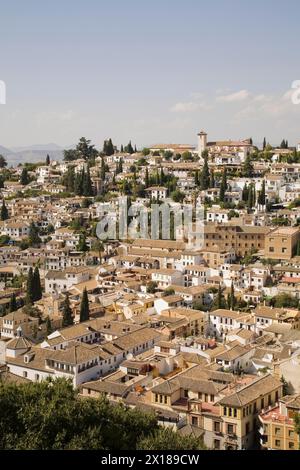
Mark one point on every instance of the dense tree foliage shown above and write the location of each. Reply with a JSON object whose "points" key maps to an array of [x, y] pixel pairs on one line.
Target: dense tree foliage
{"points": [[49, 415]]}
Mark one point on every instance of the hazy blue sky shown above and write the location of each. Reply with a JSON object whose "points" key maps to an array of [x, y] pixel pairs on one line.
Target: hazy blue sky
{"points": [[151, 71]]}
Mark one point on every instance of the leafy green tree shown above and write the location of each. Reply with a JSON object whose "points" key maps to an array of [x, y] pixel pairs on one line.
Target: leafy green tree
{"points": [[67, 312], [49, 415], [4, 211], [152, 287], [167, 438], [85, 150], [70, 155], [146, 152], [177, 196], [84, 307], [284, 300]]}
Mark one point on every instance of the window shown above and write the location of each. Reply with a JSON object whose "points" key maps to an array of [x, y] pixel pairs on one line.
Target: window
{"points": [[217, 426], [217, 444], [271, 249], [277, 431], [25, 374], [277, 443], [247, 428], [230, 429], [269, 400], [291, 445], [225, 411], [291, 434], [194, 421]]}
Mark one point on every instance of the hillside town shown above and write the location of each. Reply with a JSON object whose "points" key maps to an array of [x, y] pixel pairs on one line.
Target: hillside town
{"points": [[202, 332]]}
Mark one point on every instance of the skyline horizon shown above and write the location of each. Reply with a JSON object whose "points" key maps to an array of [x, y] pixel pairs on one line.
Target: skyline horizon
{"points": [[103, 70]]}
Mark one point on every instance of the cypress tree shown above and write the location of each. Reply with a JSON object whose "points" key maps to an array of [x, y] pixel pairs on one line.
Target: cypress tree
{"points": [[78, 184], [37, 288], [220, 298], [122, 148], [4, 211], [250, 197], [33, 237], [212, 179], [48, 160], [13, 303], [48, 326], [102, 171], [67, 312], [147, 178], [204, 177], [162, 176], [129, 148], [84, 307], [70, 180], [82, 246], [24, 177], [87, 188], [248, 167], [245, 193], [157, 178], [197, 178], [232, 299], [264, 143], [254, 196], [262, 194], [223, 186], [30, 289]]}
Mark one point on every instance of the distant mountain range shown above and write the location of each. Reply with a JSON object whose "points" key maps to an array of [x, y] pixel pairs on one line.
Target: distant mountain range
{"points": [[32, 153]]}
